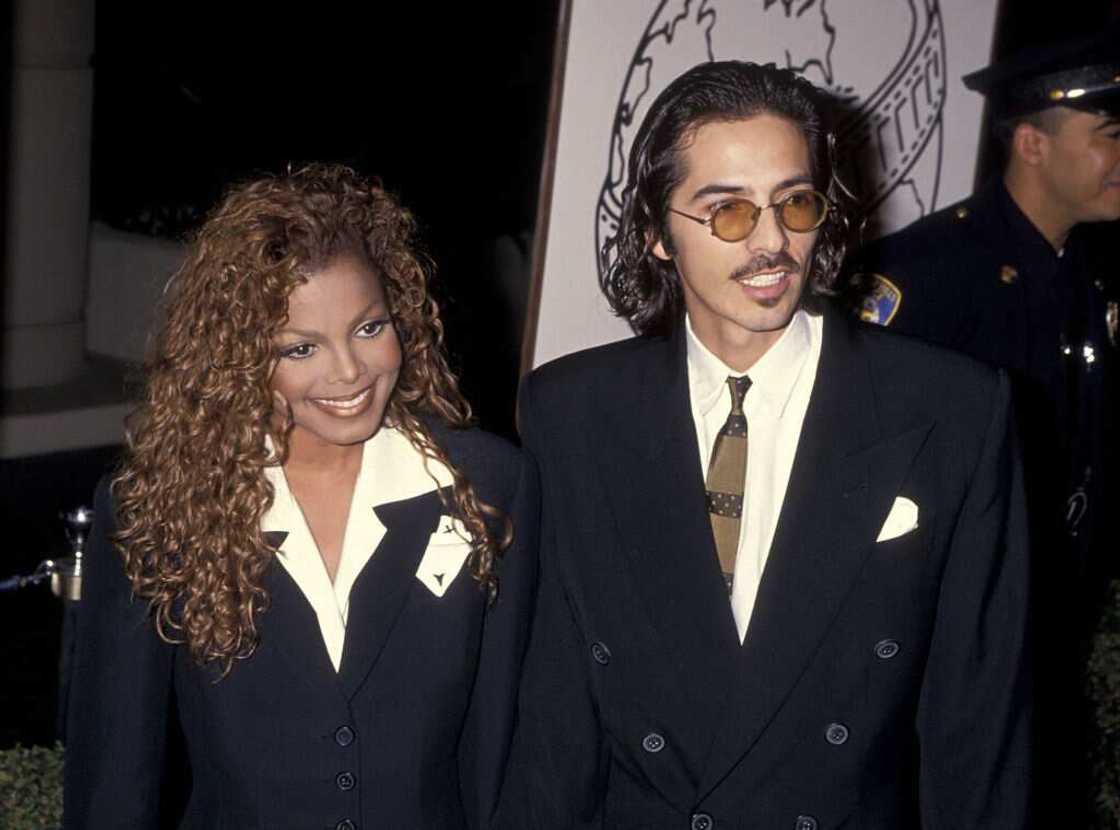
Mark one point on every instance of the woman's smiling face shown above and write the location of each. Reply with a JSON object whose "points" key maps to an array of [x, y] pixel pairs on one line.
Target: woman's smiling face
{"points": [[338, 355]]}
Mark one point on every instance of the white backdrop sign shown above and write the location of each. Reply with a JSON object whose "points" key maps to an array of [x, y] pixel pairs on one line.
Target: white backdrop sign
{"points": [[910, 131]]}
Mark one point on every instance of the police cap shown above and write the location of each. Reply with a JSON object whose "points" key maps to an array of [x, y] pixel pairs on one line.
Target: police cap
{"points": [[1082, 73]]}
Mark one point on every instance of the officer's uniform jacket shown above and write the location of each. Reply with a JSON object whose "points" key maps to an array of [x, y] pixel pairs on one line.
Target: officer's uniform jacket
{"points": [[980, 278], [412, 731], [880, 684]]}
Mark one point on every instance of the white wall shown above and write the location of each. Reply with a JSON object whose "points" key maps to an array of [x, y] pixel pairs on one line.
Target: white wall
{"points": [[913, 126], [127, 274]]}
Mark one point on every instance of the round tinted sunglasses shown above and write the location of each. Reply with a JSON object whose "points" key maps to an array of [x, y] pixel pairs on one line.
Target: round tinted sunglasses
{"points": [[801, 211]]}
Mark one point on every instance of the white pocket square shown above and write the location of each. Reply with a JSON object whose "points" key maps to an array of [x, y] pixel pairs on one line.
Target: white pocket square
{"points": [[901, 520], [448, 548]]}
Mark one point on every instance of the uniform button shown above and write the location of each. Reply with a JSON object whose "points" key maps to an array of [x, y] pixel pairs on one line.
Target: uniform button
{"points": [[600, 653], [345, 781], [653, 742], [806, 823], [702, 821], [346, 824], [836, 734], [886, 649], [344, 736], [962, 213]]}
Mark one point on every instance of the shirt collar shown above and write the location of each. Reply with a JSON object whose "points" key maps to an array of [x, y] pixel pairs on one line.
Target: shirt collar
{"points": [[1029, 241], [388, 449], [773, 376], [392, 470]]}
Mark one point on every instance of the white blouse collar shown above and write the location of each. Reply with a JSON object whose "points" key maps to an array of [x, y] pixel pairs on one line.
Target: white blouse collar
{"points": [[392, 470]]}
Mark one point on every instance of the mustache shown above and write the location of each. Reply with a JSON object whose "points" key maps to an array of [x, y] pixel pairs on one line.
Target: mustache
{"points": [[782, 260]]}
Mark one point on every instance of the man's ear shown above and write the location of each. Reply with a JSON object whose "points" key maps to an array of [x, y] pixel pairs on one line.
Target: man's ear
{"points": [[1030, 144], [660, 250]]}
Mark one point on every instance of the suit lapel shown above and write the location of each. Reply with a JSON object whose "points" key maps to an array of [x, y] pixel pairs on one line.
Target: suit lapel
{"points": [[651, 465], [291, 626], [845, 476], [383, 585]]}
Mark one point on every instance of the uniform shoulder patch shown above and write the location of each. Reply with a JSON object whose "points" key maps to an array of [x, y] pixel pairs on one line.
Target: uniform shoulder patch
{"points": [[882, 301]]}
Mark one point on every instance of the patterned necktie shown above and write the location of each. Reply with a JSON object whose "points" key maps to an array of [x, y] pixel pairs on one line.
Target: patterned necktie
{"points": [[727, 473]]}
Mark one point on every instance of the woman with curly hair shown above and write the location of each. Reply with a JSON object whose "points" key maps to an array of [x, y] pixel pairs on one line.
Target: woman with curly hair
{"points": [[292, 613]]}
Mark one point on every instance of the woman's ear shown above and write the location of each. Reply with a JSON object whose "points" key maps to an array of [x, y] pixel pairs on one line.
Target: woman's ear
{"points": [[281, 411]]}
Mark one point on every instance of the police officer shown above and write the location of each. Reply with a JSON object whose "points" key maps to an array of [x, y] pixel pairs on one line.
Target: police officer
{"points": [[1025, 274]]}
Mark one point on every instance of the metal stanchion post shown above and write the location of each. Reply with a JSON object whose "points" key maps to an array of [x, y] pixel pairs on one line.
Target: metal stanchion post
{"points": [[65, 577]]}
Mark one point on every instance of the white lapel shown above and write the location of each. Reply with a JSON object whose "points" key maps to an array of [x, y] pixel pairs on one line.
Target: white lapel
{"points": [[392, 470], [301, 559]]}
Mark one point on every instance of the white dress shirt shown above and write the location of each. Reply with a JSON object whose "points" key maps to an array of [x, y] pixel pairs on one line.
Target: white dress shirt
{"points": [[781, 383], [392, 470]]}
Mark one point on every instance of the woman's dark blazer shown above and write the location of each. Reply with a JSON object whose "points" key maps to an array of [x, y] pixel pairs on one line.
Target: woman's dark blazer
{"points": [[411, 732]]}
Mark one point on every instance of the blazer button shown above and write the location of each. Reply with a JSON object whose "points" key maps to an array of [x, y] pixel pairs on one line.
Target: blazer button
{"points": [[653, 742], [345, 781], [701, 821], [600, 653], [346, 824], [344, 736], [886, 649], [806, 823], [836, 734]]}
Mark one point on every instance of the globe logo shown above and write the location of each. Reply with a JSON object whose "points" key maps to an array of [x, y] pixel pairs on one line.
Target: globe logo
{"points": [[882, 60]]}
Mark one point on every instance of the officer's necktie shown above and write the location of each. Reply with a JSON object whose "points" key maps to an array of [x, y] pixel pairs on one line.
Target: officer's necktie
{"points": [[727, 473]]}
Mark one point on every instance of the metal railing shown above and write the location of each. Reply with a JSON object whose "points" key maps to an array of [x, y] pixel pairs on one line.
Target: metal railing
{"points": [[65, 574]]}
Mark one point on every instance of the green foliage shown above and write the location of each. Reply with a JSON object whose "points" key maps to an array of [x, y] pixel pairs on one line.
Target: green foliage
{"points": [[31, 788], [1103, 685]]}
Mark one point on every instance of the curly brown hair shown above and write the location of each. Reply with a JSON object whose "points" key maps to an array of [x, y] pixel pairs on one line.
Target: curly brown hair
{"points": [[191, 492]]}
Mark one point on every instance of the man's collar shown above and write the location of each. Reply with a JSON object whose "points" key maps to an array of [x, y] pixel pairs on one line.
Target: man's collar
{"points": [[772, 376], [1028, 238]]}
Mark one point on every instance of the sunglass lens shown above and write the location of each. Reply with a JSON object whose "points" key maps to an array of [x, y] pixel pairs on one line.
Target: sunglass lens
{"points": [[803, 211], [734, 221]]}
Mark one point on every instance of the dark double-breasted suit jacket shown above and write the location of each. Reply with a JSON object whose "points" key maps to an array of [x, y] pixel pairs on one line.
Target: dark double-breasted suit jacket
{"points": [[412, 731], [880, 684]]}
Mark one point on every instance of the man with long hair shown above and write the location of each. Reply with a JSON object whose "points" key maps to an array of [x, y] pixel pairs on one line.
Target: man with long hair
{"points": [[783, 563]]}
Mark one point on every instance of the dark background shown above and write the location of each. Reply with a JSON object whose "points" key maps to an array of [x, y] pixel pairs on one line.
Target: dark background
{"points": [[445, 102]]}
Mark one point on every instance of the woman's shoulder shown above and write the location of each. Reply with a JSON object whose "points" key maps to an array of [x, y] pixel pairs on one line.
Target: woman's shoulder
{"points": [[104, 504], [485, 458]]}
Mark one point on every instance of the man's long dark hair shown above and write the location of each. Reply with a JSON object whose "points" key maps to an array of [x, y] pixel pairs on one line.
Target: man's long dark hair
{"points": [[647, 290]]}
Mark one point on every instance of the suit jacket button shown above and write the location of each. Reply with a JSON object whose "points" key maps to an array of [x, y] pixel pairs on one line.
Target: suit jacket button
{"points": [[344, 736], [806, 823], [600, 653], [346, 824], [345, 781], [836, 734], [886, 649], [653, 742], [701, 821]]}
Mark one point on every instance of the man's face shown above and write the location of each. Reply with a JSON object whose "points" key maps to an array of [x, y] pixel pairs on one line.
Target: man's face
{"points": [[1081, 166], [740, 296]]}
